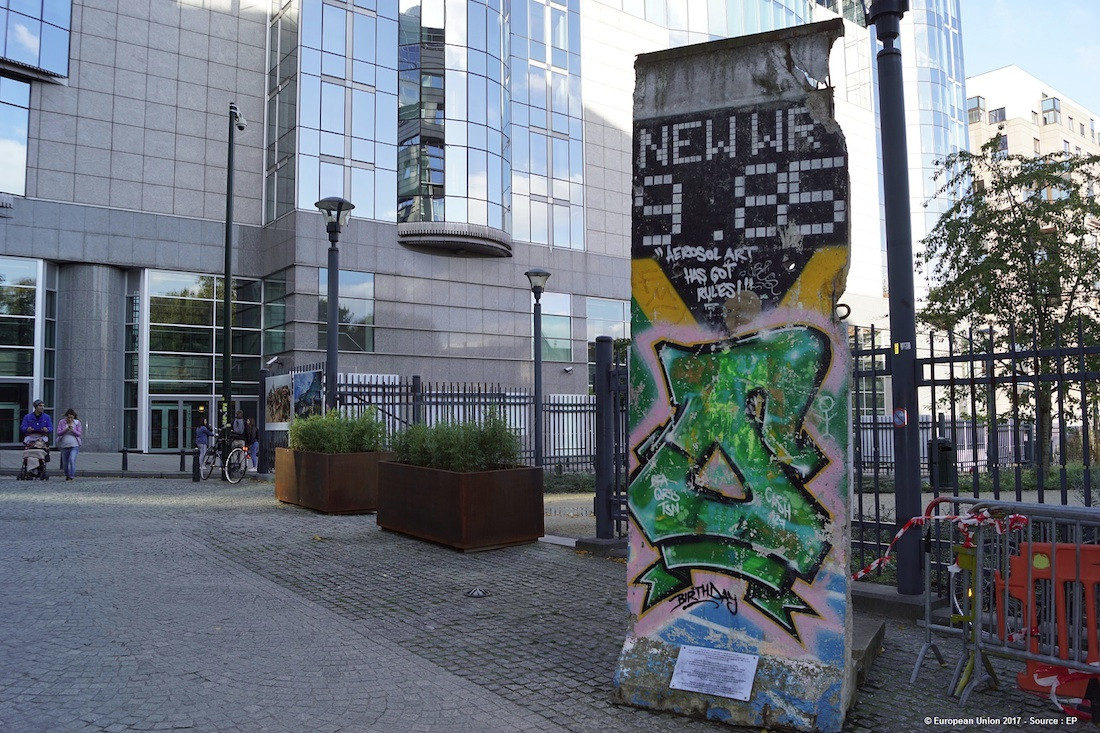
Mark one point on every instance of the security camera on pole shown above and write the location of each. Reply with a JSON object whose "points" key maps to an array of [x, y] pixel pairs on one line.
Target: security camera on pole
{"points": [[236, 122]]}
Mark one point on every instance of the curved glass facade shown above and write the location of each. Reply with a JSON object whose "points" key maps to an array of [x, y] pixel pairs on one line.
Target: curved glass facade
{"points": [[935, 48], [463, 112], [936, 116], [452, 113]]}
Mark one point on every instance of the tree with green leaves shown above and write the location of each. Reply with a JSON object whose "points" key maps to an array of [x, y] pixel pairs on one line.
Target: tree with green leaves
{"points": [[1017, 247]]}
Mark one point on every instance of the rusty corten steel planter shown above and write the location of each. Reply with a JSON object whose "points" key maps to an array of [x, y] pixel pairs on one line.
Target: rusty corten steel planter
{"points": [[333, 483], [468, 511]]}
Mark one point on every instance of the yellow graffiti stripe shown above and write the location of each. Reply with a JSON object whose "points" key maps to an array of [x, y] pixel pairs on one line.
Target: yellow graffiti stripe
{"points": [[655, 295], [821, 282]]}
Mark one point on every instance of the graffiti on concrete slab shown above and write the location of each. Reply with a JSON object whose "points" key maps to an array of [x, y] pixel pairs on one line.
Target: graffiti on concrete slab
{"points": [[738, 213], [708, 593], [737, 483], [722, 485], [736, 202]]}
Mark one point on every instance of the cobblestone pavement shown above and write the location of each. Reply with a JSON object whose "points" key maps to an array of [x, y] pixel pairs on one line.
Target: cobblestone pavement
{"points": [[141, 604]]}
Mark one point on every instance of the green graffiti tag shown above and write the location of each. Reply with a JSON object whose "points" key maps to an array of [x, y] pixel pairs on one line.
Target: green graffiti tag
{"points": [[722, 486]]}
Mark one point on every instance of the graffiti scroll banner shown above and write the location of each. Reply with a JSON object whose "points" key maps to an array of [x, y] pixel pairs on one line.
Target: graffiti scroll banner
{"points": [[739, 380]]}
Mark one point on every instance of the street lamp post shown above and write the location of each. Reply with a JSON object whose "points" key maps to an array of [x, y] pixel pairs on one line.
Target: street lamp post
{"points": [[336, 212], [236, 122], [538, 278], [886, 16]]}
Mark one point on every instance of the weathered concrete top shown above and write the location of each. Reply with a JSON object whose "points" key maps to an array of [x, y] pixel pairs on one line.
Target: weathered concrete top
{"points": [[687, 79]]}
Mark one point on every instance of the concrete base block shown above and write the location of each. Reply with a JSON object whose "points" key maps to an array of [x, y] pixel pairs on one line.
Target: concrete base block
{"points": [[786, 694], [602, 547]]}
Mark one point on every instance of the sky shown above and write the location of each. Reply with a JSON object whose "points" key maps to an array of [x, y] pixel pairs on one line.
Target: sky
{"points": [[1056, 41]]}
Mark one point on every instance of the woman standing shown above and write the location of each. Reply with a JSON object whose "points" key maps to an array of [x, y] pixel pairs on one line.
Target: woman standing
{"points": [[252, 440], [69, 437], [203, 434]]}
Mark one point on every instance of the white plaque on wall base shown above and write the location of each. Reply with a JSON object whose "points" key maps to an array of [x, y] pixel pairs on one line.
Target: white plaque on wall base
{"points": [[714, 672]]}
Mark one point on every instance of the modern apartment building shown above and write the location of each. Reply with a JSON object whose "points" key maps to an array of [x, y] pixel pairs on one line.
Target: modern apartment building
{"points": [[477, 139], [1031, 116]]}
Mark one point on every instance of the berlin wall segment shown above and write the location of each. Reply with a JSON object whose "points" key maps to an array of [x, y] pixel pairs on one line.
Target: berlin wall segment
{"points": [[738, 582]]}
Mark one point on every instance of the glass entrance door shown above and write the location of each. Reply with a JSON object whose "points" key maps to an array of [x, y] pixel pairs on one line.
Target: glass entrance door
{"points": [[164, 427], [192, 413], [172, 423], [14, 404]]}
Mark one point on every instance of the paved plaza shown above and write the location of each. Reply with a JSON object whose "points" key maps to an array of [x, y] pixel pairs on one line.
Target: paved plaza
{"points": [[152, 603]]}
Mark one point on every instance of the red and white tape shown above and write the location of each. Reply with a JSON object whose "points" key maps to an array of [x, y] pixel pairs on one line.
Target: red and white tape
{"points": [[965, 523]]}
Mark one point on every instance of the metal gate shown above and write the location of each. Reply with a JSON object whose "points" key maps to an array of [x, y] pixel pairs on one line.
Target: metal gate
{"points": [[620, 396], [612, 442]]}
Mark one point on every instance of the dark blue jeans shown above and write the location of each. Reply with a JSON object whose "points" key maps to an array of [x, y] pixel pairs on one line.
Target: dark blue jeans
{"points": [[68, 460]]}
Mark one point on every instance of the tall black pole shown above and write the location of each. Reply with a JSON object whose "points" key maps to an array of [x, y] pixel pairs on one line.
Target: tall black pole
{"points": [[605, 437], [335, 211], [333, 334], [235, 120], [886, 16], [261, 422], [538, 377]]}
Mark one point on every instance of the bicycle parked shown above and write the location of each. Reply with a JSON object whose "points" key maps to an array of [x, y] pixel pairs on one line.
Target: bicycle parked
{"points": [[235, 463]]}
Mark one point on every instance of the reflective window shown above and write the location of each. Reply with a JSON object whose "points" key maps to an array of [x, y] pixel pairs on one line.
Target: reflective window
{"points": [[36, 34], [546, 96], [478, 174], [186, 335], [561, 225], [334, 30], [332, 107], [455, 172], [15, 99], [476, 87], [18, 290], [362, 114], [274, 297], [539, 217], [606, 318], [356, 311], [557, 343]]}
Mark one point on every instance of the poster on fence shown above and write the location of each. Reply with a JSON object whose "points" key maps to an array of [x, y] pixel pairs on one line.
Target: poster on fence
{"points": [[309, 398], [277, 402]]}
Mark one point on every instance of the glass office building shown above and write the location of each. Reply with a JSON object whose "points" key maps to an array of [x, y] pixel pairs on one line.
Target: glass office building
{"points": [[476, 138]]}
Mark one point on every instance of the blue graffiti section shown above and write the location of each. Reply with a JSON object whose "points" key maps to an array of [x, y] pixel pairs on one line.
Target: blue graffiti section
{"points": [[722, 485]]}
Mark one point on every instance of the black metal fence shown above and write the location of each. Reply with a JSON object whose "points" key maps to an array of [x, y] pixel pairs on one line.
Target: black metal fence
{"points": [[1015, 420], [568, 420]]}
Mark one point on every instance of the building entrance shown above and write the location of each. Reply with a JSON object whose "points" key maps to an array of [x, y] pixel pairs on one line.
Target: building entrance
{"points": [[172, 423], [14, 404]]}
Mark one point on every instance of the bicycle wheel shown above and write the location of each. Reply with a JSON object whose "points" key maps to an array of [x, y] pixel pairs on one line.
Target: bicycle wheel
{"points": [[208, 462], [235, 465]]}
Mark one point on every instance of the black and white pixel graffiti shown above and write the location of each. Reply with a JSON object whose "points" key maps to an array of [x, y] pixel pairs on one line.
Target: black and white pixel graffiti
{"points": [[736, 201]]}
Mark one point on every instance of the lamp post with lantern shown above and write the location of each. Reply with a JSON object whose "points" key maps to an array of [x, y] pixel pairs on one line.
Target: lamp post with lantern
{"points": [[538, 277], [336, 212]]}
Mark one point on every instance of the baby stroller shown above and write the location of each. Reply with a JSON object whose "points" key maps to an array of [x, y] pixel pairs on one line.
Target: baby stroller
{"points": [[35, 457]]}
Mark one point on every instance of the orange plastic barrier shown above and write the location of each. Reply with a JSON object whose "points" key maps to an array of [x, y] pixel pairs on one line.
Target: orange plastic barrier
{"points": [[1060, 564]]}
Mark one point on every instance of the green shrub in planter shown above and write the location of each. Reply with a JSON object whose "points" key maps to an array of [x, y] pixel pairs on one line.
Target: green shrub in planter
{"points": [[462, 447], [337, 433]]}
